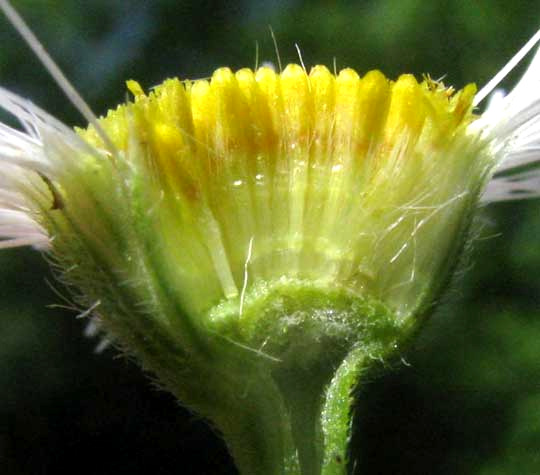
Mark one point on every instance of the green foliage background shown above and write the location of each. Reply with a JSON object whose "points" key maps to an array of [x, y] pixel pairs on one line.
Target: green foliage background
{"points": [[467, 401]]}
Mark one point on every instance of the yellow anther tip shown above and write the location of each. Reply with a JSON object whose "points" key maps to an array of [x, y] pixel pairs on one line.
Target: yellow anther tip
{"points": [[245, 74], [374, 80], [348, 75], [320, 71], [222, 76], [134, 87], [292, 71]]}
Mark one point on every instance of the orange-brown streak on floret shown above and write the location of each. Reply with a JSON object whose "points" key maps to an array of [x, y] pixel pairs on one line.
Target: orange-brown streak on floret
{"points": [[250, 113]]}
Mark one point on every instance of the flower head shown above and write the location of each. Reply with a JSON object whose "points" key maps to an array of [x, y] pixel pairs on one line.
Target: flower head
{"points": [[264, 226], [220, 195], [329, 177]]}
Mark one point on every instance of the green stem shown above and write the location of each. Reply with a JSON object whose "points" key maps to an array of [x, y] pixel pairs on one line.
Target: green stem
{"points": [[300, 425], [336, 415], [257, 432]]}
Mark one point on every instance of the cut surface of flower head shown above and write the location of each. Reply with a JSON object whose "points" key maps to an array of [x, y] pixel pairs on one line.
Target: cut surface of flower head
{"points": [[218, 202], [257, 180], [273, 221], [273, 232]]}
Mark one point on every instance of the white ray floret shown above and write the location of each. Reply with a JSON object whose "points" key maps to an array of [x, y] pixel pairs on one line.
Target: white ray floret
{"points": [[17, 229], [512, 124], [28, 159]]}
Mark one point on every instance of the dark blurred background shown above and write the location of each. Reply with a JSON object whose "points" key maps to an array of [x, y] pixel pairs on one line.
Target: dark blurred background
{"points": [[467, 401]]}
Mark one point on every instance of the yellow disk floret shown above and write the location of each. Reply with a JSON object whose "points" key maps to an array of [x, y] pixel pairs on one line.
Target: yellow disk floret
{"points": [[349, 181]]}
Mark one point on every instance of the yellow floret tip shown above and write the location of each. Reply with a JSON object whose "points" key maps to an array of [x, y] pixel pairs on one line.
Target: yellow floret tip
{"points": [[134, 87], [268, 111]]}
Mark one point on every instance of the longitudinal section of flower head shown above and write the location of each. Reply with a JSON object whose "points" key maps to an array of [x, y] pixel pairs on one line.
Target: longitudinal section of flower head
{"points": [[217, 192], [248, 178]]}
